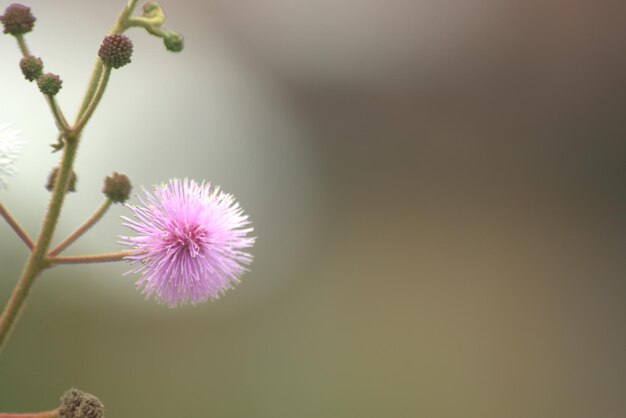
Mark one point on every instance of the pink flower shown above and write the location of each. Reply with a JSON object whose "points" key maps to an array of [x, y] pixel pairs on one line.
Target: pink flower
{"points": [[190, 242]]}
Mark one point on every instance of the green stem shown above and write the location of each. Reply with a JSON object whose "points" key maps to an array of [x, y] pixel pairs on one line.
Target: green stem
{"points": [[138, 22], [91, 221], [36, 261], [122, 21], [91, 87], [16, 227], [91, 258], [84, 118], [22, 44], [60, 120]]}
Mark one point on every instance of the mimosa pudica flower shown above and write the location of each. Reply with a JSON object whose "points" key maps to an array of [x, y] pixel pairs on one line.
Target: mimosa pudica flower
{"points": [[190, 244]]}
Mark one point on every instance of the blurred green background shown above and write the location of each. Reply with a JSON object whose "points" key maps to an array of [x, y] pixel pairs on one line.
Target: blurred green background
{"points": [[437, 188]]}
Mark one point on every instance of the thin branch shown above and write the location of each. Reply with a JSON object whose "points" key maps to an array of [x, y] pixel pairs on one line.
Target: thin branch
{"points": [[91, 87], [54, 107], [16, 227], [142, 22], [59, 118], [22, 44], [95, 217], [47, 414], [92, 258], [102, 84]]}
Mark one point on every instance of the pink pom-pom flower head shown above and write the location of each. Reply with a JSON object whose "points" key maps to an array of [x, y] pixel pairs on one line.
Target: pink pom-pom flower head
{"points": [[190, 244]]}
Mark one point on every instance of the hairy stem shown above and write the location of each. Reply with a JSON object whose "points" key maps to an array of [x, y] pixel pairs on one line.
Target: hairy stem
{"points": [[36, 261], [96, 73], [91, 258], [91, 221], [59, 118], [102, 84], [16, 227]]}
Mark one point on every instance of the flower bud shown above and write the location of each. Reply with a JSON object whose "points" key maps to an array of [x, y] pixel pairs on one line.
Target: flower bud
{"points": [[78, 404], [116, 50], [49, 84], [17, 19], [31, 67], [117, 187], [52, 179], [173, 42]]}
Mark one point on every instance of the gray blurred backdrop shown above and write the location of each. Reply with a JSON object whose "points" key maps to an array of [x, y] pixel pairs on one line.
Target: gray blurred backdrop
{"points": [[437, 188]]}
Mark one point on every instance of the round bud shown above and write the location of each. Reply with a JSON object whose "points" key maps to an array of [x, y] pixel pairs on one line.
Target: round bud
{"points": [[173, 42], [117, 187], [17, 19], [78, 404], [49, 84], [31, 67], [116, 50], [52, 179]]}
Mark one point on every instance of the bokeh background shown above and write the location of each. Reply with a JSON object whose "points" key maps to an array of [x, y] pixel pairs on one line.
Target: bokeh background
{"points": [[437, 187]]}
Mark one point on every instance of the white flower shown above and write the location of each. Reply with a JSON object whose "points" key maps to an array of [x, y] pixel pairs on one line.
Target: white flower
{"points": [[10, 148]]}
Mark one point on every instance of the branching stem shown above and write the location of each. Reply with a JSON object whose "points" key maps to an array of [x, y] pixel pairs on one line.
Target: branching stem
{"points": [[54, 107], [59, 118], [91, 221], [35, 262], [102, 84], [38, 260]]}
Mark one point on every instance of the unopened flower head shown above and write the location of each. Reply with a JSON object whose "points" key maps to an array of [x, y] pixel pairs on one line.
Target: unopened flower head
{"points": [[78, 404], [17, 19], [50, 84], [173, 42], [191, 242], [117, 187], [10, 149], [116, 50], [31, 67], [52, 180]]}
